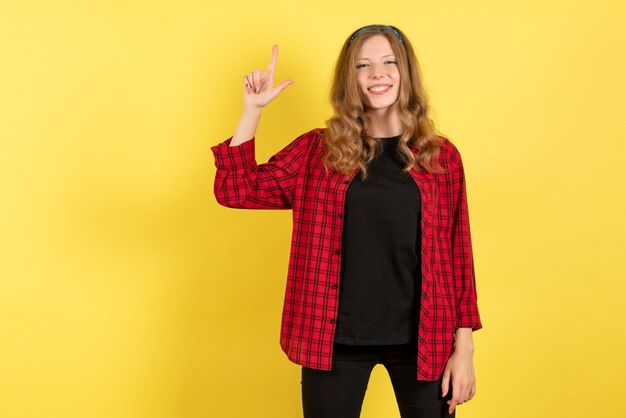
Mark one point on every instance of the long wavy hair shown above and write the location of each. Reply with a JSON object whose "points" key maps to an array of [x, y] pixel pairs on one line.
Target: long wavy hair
{"points": [[347, 141]]}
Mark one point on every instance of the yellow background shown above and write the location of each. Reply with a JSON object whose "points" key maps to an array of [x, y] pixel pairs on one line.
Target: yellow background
{"points": [[127, 291]]}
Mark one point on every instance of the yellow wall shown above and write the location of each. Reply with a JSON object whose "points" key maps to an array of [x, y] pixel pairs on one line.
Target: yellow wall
{"points": [[126, 291]]}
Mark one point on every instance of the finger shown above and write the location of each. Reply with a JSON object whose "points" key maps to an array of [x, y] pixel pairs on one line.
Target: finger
{"points": [[283, 85], [453, 401], [465, 393], [272, 65], [250, 81], [445, 383], [256, 76], [473, 390], [452, 404], [459, 392]]}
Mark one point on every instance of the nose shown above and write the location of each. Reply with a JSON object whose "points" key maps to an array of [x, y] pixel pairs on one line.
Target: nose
{"points": [[376, 71]]}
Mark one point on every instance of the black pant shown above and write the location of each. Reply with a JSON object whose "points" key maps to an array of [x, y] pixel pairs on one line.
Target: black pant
{"points": [[339, 393]]}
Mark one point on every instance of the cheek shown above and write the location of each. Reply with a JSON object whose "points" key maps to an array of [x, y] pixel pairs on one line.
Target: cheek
{"points": [[361, 82]]}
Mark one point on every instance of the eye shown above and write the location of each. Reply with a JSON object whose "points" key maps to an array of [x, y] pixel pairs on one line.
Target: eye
{"points": [[360, 65], [392, 61]]}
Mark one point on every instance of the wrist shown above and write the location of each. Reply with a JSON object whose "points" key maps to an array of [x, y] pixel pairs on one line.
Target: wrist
{"points": [[464, 347], [252, 110], [463, 339]]}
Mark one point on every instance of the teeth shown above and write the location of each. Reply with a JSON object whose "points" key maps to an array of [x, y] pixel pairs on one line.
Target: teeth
{"points": [[379, 88]]}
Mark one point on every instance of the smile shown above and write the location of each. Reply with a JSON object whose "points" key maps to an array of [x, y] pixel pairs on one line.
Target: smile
{"points": [[379, 90]]}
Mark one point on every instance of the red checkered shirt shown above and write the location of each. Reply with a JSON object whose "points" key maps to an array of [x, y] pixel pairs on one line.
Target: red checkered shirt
{"points": [[294, 178]]}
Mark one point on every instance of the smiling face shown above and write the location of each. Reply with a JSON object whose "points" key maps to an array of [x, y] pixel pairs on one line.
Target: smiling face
{"points": [[377, 73]]}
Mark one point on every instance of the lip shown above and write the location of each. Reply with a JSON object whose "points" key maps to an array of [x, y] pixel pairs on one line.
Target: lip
{"points": [[379, 93]]}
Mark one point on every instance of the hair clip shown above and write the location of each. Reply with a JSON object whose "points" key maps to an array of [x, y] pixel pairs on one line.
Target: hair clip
{"points": [[395, 32]]}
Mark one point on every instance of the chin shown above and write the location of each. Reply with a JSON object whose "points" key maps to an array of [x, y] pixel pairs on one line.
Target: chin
{"points": [[381, 105]]}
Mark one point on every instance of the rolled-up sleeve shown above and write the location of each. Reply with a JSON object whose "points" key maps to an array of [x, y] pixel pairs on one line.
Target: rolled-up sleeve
{"points": [[462, 254], [242, 183]]}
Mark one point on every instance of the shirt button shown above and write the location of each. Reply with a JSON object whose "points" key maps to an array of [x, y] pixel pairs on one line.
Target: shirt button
{"points": [[335, 286], [346, 181], [337, 252], [332, 321], [340, 215]]}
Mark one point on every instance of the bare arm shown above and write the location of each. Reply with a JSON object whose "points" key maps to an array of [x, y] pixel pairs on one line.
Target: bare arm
{"points": [[246, 128]]}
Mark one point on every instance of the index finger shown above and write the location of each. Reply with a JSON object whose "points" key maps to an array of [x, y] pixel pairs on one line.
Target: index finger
{"points": [[272, 66]]}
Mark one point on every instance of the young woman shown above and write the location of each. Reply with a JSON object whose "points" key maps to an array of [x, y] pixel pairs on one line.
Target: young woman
{"points": [[381, 266]]}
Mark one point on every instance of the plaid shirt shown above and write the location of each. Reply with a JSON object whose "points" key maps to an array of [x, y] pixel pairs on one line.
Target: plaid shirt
{"points": [[294, 178]]}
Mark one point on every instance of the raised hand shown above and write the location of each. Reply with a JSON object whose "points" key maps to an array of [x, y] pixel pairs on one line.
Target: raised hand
{"points": [[259, 87]]}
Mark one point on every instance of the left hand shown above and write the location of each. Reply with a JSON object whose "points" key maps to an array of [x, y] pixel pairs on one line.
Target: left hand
{"points": [[459, 368]]}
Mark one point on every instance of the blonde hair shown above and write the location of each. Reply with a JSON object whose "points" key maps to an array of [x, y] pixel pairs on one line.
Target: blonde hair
{"points": [[346, 140]]}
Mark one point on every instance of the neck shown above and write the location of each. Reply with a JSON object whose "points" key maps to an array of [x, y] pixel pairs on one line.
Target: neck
{"points": [[385, 123]]}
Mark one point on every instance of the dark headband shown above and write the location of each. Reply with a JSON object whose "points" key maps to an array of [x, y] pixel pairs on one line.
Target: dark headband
{"points": [[395, 32]]}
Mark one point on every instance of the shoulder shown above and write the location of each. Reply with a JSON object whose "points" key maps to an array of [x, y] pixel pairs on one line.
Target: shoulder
{"points": [[314, 138], [303, 144], [448, 149], [303, 141], [317, 133], [449, 153], [312, 135]]}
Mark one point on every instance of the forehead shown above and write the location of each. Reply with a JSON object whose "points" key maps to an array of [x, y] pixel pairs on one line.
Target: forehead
{"points": [[376, 46]]}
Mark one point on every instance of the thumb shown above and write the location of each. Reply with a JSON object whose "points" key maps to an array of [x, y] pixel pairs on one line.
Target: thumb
{"points": [[445, 383], [284, 84]]}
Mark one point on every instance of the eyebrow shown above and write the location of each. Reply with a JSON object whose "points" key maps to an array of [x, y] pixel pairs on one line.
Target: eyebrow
{"points": [[388, 55]]}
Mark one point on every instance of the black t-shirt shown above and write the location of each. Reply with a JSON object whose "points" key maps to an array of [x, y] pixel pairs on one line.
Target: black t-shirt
{"points": [[380, 283]]}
